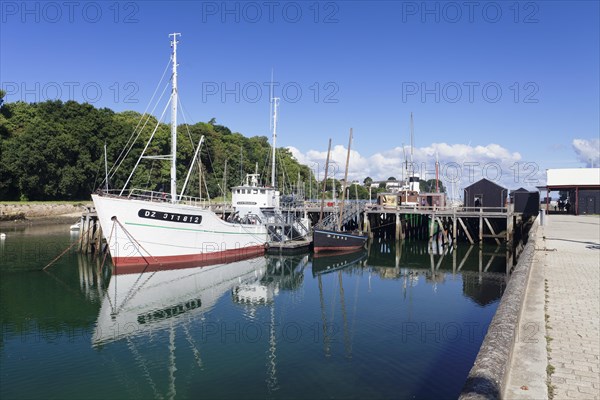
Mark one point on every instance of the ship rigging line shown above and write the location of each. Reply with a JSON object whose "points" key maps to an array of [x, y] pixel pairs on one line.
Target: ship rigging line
{"points": [[146, 147], [199, 161], [122, 156], [68, 248], [254, 235], [132, 292], [143, 365]]}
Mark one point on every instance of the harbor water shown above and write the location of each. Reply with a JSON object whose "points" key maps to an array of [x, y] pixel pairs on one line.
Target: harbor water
{"points": [[392, 321]]}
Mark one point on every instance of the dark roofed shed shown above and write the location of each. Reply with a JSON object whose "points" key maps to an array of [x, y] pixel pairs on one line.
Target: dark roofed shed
{"points": [[485, 193]]}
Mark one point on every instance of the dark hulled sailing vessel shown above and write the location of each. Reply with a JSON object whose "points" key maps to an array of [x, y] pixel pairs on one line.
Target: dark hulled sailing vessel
{"points": [[328, 234], [329, 240]]}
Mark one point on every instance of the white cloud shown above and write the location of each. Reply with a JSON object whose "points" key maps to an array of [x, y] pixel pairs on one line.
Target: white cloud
{"points": [[588, 151], [459, 163]]}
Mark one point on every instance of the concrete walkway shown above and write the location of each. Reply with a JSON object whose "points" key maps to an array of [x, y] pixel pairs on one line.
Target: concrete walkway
{"points": [[563, 295]]}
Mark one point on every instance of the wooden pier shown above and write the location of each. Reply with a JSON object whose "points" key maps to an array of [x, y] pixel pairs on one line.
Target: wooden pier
{"points": [[90, 232], [442, 225], [448, 225]]}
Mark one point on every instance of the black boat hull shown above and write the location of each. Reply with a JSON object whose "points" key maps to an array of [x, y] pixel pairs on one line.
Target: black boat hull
{"points": [[324, 240]]}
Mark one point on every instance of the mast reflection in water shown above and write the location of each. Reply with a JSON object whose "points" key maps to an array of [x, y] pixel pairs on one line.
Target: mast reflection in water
{"points": [[391, 321]]}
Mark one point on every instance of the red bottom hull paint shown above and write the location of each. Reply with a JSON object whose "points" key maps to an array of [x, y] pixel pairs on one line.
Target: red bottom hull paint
{"points": [[129, 265]]}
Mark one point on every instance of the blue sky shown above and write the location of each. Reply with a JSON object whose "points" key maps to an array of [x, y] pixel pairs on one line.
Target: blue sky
{"points": [[494, 82]]}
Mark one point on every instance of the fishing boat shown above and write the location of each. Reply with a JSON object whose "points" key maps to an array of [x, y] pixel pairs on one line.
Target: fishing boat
{"points": [[258, 203], [328, 234], [144, 227]]}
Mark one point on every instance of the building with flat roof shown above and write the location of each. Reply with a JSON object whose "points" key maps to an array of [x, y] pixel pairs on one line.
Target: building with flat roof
{"points": [[582, 186]]}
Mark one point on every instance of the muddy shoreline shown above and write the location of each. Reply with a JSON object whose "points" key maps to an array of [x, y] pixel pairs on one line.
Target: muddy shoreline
{"points": [[29, 214]]}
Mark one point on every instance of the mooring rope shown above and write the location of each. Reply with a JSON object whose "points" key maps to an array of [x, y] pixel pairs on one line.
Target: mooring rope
{"points": [[133, 289], [137, 243], [68, 248]]}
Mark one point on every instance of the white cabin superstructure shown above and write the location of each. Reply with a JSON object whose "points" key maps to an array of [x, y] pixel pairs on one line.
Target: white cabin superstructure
{"points": [[253, 199]]}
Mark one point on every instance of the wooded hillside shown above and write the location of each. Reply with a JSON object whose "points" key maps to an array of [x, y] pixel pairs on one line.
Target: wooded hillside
{"points": [[55, 151]]}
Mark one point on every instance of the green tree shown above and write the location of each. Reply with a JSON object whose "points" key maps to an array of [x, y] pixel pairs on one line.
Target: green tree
{"points": [[55, 151], [428, 186]]}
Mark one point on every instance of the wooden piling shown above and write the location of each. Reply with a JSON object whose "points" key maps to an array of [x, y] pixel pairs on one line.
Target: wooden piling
{"points": [[466, 231], [454, 261], [465, 257], [492, 231], [480, 230], [454, 231], [398, 228], [431, 228], [444, 232], [480, 262], [85, 228]]}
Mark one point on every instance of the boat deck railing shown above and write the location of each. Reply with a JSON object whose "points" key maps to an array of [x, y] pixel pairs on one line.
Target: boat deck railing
{"points": [[163, 197]]}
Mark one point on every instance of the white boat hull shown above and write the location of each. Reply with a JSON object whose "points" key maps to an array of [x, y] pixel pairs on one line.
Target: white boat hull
{"points": [[151, 233], [138, 304]]}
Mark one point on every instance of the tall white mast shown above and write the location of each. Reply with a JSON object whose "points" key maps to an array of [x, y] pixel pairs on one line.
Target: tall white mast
{"points": [[273, 175], [405, 169], [412, 165], [411, 143], [106, 167], [174, 102], [437, 173]]}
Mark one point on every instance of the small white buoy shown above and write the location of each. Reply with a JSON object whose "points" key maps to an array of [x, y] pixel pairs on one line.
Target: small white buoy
{"points": [[2, 236]]}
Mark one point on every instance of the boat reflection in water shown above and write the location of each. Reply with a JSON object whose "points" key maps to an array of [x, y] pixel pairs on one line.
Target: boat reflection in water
{"points": [[323, 263], [330, 263], [240, 330], [138, 303], [165, 321], [282, 273]]}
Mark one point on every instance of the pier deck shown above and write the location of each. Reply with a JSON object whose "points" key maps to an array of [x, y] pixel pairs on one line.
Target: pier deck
{"points": [[446, 224], [562, 304]]}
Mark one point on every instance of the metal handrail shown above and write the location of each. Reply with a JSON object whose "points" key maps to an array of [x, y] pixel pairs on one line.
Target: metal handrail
{"points": [[330, 222], [415, 207], [157, 196]]}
